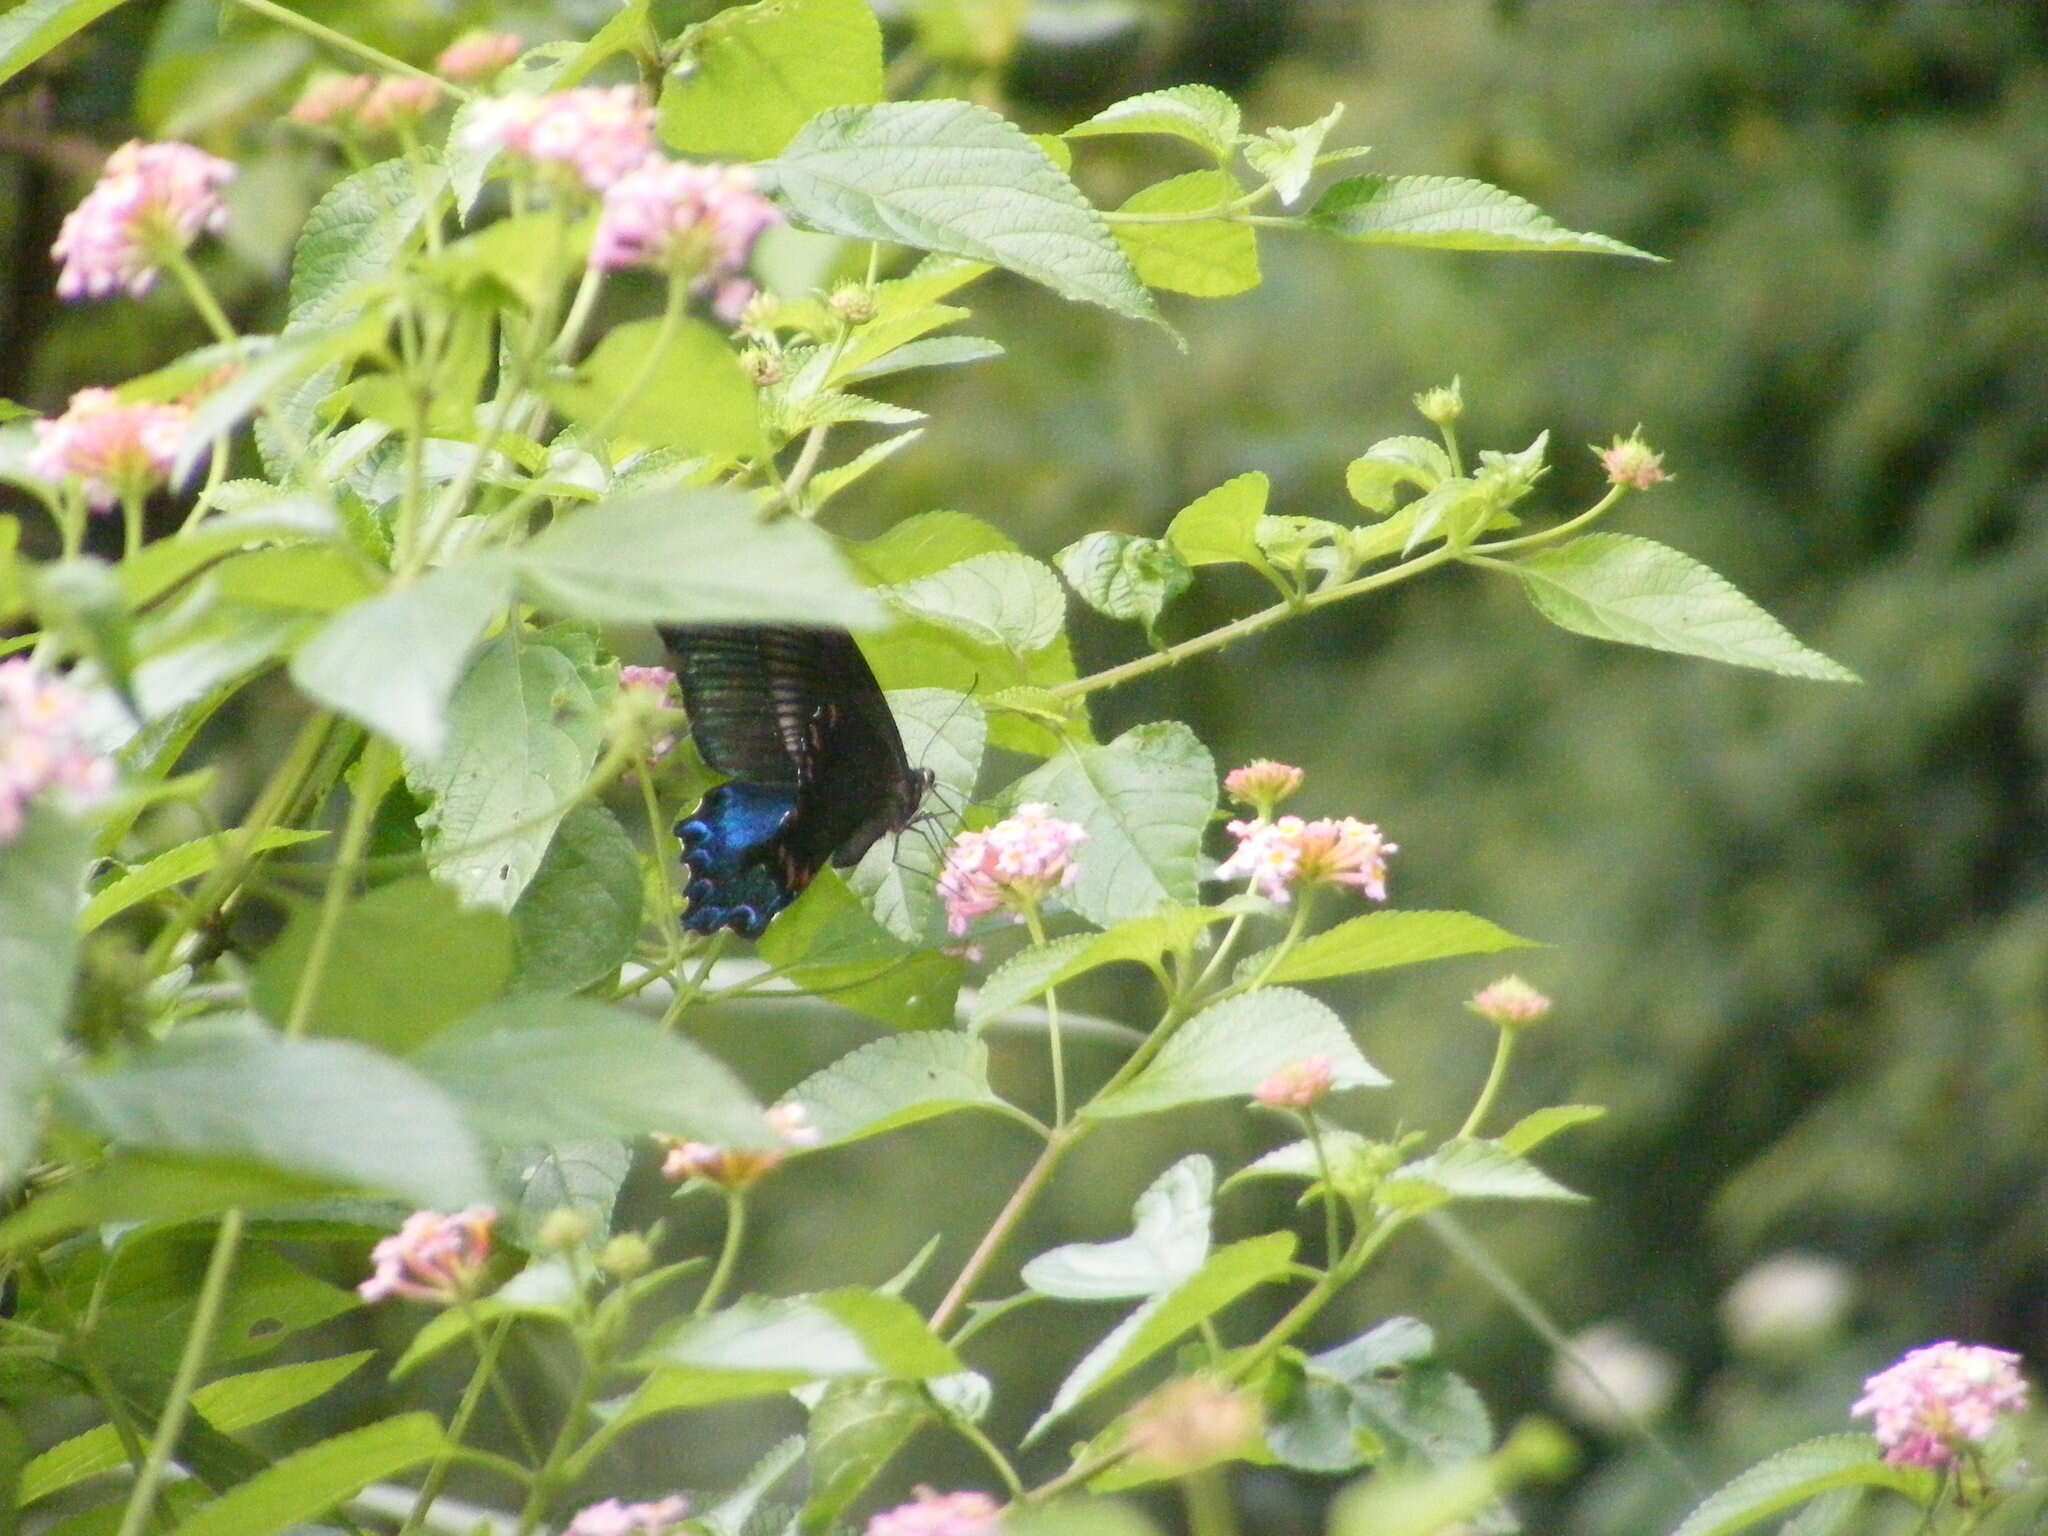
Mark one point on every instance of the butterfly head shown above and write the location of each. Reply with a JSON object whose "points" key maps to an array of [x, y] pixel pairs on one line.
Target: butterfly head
{"points": [[910, 794]]}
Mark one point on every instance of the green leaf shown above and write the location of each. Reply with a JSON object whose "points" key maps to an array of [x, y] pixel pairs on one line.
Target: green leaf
{"points": [[856, 1429], [327, 1108], [733, 1514], [540, 1069], [1375, 476], [1399, 1398], [1228, 1049], [945, 733], [146, 1187], [392, 663], [1791, 1477], [1356, 1164], [1447, 213], [752, 76], [229, 1404], [1145, 800], [1002, 599], [34, 27], [762, 1346], [1125, 576], [897, 1081], [700, 556], [524, 728], [152, 1292], [1168, 1243], [831, 945], [1379, 941], [172, 867], [1208, 258], [1140, 940], [406, 962], [1470, 1170], [954, 177], [576, 922], [1228, 1274], [1221, 526], [304, 1486], [1286, 157], [1634, 591], [1537, 1127], [355, 236], [1200, 114], [40, 874], [688, 393], [1077, 1517], [547, 1290]]}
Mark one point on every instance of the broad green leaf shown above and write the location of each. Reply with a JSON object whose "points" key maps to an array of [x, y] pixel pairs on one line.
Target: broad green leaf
{"points": [[953, 177], [34, 27], [139, 1187], [830, 945], [1139, 940], [700, 556], [308, 1484], [580, 1176], [538, 1069], [174, 866], [355, 236], [1208, 258], [1200, 114], [1227, 1050], [1379, 941], [1537, 1127], [1125, 576], [1376, 476], [524, 728], [1791, 1477], [1228, 1274], [1168, 1243], [762, 1345], [1355, 1163], [1145, 800], [1399, 1398], [1447, 213], [753, 75], [945, 733], [936, 352], [1221, 526], [1001, 599], [229, 1404], [1454, 1495], [547, 1290], [1287, 156], [407, 961], [327, 1108], [856, 1428], [392, 663], [1470, 1170], [40, 874], [897, 1081], [685, 392], [732, 1515], [575, 923], [1635, 591]]}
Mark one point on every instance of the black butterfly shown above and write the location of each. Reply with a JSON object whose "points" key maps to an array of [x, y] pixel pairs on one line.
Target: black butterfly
{"points": [[817, 767]]}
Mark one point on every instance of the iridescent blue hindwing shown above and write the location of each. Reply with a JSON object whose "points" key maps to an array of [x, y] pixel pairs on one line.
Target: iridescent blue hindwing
{"points": [[739, 876]]}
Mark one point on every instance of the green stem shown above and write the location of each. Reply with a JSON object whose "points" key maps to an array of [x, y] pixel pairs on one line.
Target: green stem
{"points": [[550, 1473], [728, 1251], [1020, 1201], [132, 511], [688, 994], [1332, 1232], [178, 1404], [1304, 902], [971, 1433], [659, 834], [580, 310], [1208, 1500], [1052, 1025], [1503, 1052], [437, 1476], [671, 322], [201, 296], [347, 44], [1542, 536], [95, 1370], [371, 784]]}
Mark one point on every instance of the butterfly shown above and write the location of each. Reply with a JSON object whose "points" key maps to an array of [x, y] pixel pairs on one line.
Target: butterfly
{"points": [[816, 766]]}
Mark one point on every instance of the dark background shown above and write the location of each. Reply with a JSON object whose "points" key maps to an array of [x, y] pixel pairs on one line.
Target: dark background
{"points": [[1800, 932]]}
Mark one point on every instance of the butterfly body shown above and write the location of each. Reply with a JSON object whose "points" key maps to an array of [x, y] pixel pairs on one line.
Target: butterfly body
{"points": [[817, 768]]}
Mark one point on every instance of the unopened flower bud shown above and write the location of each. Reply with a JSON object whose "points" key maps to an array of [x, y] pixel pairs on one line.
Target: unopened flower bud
{"points": [[1510, 1003], [1443, 405], [853, 303], [763, 366], [626, 1256], [564, 1228], [1190, 1424], [1262, 784], [478, 55], [1299, 1085], [1629, 461]]}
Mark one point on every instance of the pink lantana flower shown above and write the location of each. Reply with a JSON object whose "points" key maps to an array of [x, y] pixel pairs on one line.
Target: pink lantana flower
{"points": [[432, 1257], [1262, 784], [1939, 1399], [330, 101], [1299, 1085], [739, 1168], [933, 1513], [1629, 461], [110, 448], [598, 133], [671, 214], [478, 55], [1510, 1003], [612, 1517], [151, 200], [42, 749], [1279, 857], [1015, 865]]}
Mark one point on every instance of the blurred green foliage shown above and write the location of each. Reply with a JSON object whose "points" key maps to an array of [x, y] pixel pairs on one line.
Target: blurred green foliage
{"points": [[1801, 933]]}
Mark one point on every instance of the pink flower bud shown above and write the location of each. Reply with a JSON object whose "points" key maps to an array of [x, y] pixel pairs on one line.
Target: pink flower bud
{"points": [[1278, 857], [150, 200], [1939, 1399], [1014, 865], [111, 449], [613, 1518], [1629, 461], [42, 747], [933, 1513], [433, 1257], [1510, 1003], [397, 100], [1262, 784], [1190, 1424], [1299, 1085], [330, 101], [657, 682], [478, 55]]}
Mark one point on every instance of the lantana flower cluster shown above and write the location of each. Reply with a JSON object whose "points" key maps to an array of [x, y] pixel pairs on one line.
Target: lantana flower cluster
{"points": [[1941, 1399], [940, 1514], [670, 215], [110, 448], [478, 55], [151, 201], [366, 103], [1278, 855], [739, 1168], [597, 133], [1014, 866], [41, 747], [613, 1517], [432, 1257]]}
